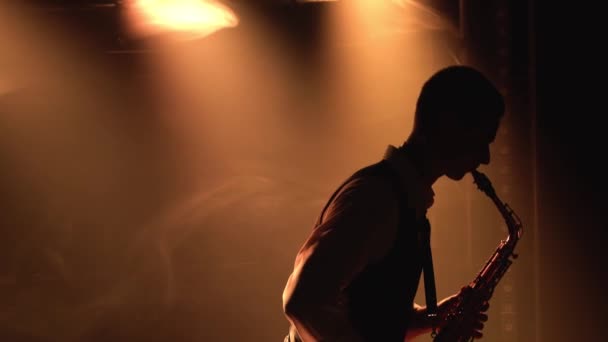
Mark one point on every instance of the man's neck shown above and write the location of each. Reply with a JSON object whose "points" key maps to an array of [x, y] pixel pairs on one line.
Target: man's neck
{"points": [[419, 154]]}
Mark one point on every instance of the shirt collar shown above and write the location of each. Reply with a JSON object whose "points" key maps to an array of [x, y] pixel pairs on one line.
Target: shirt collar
{"points": [[420, 196]]}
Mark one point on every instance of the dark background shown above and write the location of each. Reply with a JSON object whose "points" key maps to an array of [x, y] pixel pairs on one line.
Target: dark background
{"points": [[571, 80]]}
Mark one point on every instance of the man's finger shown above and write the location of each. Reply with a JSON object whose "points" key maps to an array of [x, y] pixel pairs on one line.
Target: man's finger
{"points": [[485, 306], [482, 317], [477, 334], [465, 290]]}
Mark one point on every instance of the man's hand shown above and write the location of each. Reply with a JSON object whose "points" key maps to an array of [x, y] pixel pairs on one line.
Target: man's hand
{"points": [[472, 323]]}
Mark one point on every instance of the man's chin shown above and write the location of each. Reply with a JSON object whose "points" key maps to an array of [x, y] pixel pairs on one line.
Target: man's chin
{"points": [[456, 175]]}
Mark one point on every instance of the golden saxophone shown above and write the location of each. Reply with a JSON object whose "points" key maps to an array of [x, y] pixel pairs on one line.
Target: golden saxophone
{"points": [[483, 286]]}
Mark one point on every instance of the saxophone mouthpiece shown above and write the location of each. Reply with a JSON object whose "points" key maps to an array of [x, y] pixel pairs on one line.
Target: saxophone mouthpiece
{"points": [[483, 183]]}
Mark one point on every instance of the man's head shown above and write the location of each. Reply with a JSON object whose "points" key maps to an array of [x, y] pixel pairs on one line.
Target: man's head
{"points": [[458, 113]]}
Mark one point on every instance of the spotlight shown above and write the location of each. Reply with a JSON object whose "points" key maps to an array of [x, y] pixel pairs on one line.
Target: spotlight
{"points": [[196, 18]]}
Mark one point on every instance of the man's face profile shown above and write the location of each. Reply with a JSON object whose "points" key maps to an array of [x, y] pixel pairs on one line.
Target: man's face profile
{"points": [[466, 146]]}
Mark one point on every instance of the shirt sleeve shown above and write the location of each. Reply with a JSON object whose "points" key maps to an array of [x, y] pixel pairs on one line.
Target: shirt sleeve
{"points": [[358, 227]]}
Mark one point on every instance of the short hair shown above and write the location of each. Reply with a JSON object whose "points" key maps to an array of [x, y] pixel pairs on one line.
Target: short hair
{"points": [[457, 90]]}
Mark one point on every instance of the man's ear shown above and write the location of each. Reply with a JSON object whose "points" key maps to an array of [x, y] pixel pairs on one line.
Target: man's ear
{"points": [[448, 125]]}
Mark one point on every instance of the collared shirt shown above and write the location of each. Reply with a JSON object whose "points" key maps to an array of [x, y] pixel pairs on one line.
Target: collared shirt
{"points": [[420, 196], [358, 228]]}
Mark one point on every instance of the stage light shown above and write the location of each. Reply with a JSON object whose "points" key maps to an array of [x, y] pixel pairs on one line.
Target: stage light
{"points": [[195, 18]]}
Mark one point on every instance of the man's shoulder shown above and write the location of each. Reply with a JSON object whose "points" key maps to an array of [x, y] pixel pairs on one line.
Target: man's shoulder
{"points": [[374, 172], [380, 174], [373, 181]]}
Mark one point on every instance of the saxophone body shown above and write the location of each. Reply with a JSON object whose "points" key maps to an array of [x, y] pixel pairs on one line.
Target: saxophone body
{"points": [[482, 287]]}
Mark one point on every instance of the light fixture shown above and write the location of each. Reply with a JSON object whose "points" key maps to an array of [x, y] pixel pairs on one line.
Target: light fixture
{"points": [[194, 18]]}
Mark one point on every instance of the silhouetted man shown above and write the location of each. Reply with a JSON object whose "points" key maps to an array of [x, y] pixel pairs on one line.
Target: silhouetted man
{"points": [[356, 276]]}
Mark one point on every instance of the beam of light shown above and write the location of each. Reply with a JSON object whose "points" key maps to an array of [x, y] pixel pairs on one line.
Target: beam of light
{"points": [[424, 16], [6, 86], [196, 18]]}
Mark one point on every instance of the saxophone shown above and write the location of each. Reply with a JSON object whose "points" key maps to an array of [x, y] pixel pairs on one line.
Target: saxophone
{"points": [[482, 287]]}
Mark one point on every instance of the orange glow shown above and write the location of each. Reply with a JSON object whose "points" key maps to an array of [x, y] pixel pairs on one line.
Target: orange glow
{"points": [[194, 17], [5, 87]]}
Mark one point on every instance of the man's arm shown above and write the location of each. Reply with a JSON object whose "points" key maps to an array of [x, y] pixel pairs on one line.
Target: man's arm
{"points": [[359, 226], [419, 323]]}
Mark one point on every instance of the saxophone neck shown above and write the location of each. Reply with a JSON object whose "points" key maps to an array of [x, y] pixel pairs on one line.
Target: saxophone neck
{"points": [[511, 219]]}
